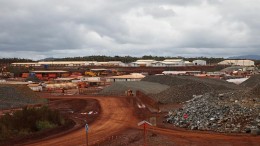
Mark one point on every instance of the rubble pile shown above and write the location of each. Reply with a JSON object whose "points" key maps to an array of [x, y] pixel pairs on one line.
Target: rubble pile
{"points": [[13, 96], [252, 81], [119, 88], [231, 112], [166, 80], [182, 88], [182, 93], [184, 80], [255, 90]]}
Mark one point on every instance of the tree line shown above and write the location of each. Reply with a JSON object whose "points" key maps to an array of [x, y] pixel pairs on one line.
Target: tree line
{"points": [[12, 60], [128, 59], [124, 59]]}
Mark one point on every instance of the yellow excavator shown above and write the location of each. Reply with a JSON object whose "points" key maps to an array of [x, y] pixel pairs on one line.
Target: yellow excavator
{"points": [[90, 73]]}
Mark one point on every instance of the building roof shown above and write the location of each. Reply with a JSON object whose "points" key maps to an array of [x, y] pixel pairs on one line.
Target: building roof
{"points": [[103, 62], [64, 79], [15, 83], [172, 60], [33, 85], [26, 63], [49, 71], [99, 69], [238, 62], [61, 62], [131, 76]]}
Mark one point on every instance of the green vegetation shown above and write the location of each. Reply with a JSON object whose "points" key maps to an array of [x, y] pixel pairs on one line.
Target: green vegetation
{"points": [[28, 121], [12, 60]]}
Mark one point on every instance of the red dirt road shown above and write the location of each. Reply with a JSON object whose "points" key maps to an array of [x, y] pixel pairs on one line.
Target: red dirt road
{"points": [[117, 116]]}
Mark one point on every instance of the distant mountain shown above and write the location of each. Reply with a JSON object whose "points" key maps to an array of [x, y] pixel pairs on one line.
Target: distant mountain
{"points": [[252, 57]]}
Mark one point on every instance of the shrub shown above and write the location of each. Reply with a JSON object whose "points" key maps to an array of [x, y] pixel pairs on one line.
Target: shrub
{"points": [[42, 125], [29, 120]]}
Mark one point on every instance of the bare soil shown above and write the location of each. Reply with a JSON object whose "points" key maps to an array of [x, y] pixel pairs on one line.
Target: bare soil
{"points": [[117, 125]]}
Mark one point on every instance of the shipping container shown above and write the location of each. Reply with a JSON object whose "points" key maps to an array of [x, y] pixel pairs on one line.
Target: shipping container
{"points": [[52, 75], [25, 75]]}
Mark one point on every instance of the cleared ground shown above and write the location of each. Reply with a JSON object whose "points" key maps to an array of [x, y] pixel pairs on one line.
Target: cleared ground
{"points": [[118, 118]]}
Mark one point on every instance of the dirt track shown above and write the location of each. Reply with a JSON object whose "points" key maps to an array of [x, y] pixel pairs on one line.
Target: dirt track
{"points": [[117, 116]]}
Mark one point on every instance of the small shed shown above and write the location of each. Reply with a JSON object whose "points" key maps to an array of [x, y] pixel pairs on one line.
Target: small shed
{"points": [[199, 62], [125, 78]]}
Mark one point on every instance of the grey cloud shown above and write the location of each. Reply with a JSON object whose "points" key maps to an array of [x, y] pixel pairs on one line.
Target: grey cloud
{"points": [[159, 12], [47, 28]]}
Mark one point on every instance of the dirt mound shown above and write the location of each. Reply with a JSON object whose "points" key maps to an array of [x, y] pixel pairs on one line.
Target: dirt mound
{"points": [[184, 87], [166, 80], [184, 80], [13, 96], [178, 94], [255, 90], [252, 81], [119, 88]]}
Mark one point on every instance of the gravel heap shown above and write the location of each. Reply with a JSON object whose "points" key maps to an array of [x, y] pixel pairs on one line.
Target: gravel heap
{"points": [[13, 96], [255, 90], [252, 81], [182, 93], [119, 88], [229, 112], [184, 80], [182, 88], [166, 80]]}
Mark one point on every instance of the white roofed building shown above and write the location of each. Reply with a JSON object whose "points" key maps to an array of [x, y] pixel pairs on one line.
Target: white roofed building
{"points": [[62, 63], [158, 64], [116, 63], [142, 63], [125, 78], [199, 62], [91, 63], [237, 62], [173, 62], [188, 63], [26, 64]]}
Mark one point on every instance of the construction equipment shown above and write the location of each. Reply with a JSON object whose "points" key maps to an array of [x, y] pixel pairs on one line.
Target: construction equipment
{"points": [[4, 73], [90, 73]]}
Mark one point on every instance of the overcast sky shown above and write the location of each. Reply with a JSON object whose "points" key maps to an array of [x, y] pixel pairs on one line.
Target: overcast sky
{"points": [[38, 29]]}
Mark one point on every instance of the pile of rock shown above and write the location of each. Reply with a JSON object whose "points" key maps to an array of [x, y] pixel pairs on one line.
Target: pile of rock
{"points": [[13, 96], [219, 113], [182, 88], [252, 81], [119, 88], [166, 80], [182, 93], [255, 90], [184, 80]]}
